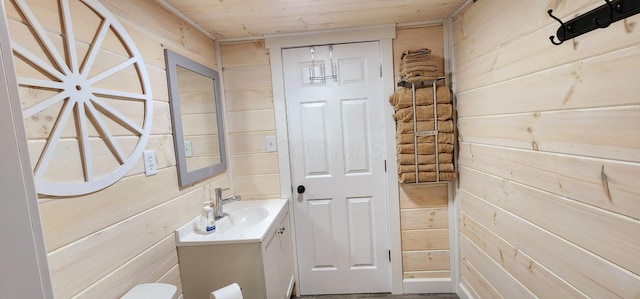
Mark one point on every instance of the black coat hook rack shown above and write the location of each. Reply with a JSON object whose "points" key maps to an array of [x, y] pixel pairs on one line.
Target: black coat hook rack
{"points": [[601, 17]]}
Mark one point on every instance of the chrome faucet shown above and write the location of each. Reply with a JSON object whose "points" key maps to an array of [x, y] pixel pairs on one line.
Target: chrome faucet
{"points": [[218, 211]]}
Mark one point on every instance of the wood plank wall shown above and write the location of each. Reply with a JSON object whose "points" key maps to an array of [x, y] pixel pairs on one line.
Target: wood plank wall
{"points": [[102, 244], [424, 222], [430, 37], [423, 207], [549, 153], [250, 118]]}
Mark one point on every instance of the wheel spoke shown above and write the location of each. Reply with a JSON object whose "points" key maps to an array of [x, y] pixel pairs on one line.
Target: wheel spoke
{"points": [[44, 104], [40, 83], [112, 70], [106, 134], [69, 36], [95, 46], [83, 142], [110, 93], [41, 35], [52, 141], [117, 116], [46, 67]]}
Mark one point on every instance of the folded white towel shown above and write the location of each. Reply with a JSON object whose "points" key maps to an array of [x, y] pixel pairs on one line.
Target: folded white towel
{"points": [[231, 291]]}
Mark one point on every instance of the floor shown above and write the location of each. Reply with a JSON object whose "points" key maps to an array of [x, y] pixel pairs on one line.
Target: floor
{"points": [[382, 296]]}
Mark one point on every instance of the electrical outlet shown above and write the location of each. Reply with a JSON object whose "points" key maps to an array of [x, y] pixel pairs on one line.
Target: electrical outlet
{"points": [[150, 165], [272, 145], [188, 149]]}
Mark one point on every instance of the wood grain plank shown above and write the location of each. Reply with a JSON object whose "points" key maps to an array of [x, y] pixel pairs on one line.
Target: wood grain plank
{"points": [[55, 214], [594, 82], [600, 133], [426, 260], [424, 218], [426, 239], [149, 266], [538, 279], [478, 285], [150, 17], [247, 77], [527, 54], [248, 143], [254, 164], [501, 280], [250, 121], [590, 228], [423, 195], [60, 216], [606, 184], [75, 267], [248, 99], [244, 54], [260, 19], [430, 37], [426, 274], [578, 267], [257, 185], [479, 25]]}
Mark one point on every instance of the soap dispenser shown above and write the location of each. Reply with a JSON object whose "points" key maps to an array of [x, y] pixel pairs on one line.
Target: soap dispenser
{"points": [[207, 221]]}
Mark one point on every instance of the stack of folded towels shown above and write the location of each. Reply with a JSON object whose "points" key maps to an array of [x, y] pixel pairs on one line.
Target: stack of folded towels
{"points": [[417, 65], [402, 101]]}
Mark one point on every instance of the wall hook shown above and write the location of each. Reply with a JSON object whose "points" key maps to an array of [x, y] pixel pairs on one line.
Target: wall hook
{"points": [[600, 17], [597, 20], [562, 26]]}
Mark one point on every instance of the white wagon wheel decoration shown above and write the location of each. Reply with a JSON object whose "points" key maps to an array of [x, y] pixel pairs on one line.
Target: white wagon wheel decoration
{"points": [[77, 92]]}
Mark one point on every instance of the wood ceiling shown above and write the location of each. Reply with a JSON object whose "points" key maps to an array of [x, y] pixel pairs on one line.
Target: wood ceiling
{"points": [[238, 19]]}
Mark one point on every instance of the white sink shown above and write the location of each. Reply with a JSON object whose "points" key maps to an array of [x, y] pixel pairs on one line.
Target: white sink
{"points": [[244, 217], [245, 221]]}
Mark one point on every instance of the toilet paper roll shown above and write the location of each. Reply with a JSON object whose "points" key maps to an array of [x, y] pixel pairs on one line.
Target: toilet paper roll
{"points": [[231, 291]]}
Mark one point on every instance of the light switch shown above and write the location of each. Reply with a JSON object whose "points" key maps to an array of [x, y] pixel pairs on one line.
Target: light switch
{"points": [[188, 149], [272, 145], [150, 165]]}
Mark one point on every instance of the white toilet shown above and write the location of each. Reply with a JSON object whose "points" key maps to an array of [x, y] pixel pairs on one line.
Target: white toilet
{"points": [[152, 291]]}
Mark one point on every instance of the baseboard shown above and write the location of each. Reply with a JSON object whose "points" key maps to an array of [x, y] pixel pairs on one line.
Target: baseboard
{"points": [[463, 292], [422, 286]]}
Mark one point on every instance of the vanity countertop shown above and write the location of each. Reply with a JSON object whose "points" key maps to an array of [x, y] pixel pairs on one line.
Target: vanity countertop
{"points": [[246, 221]]}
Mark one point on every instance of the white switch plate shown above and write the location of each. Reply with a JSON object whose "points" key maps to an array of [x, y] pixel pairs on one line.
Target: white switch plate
{"points": [[188, 149], [272, 145], [150, 165]]}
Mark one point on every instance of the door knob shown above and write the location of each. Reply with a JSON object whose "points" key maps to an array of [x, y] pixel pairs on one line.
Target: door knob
{"points": [[301, 189]]}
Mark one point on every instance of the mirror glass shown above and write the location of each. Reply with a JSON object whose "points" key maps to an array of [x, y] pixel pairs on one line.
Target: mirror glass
{"points": [[194, 95]]}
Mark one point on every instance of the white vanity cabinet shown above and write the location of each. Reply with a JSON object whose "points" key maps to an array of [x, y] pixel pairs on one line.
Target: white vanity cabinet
{"points": [[262, 265], [277, 258]]}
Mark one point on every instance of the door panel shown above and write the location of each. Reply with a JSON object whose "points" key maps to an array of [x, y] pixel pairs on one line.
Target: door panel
{"points": [[361, 233], [314, 135], [354, 132], [337, 152], [320, 211]]}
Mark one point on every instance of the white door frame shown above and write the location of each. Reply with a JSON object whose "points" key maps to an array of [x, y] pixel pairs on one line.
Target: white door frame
{"points": [[23, 256], [384, 35]]}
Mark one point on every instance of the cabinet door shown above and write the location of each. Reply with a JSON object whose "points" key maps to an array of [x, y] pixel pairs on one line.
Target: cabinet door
{"points": [[270, 260], [286, 258]]}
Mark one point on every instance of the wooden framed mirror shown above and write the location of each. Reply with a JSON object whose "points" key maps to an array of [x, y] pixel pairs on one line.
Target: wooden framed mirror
{"points": [[196, 117]]}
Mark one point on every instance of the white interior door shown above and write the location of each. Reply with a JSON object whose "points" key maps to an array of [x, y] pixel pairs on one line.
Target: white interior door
{"points": [[337, 150]]}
